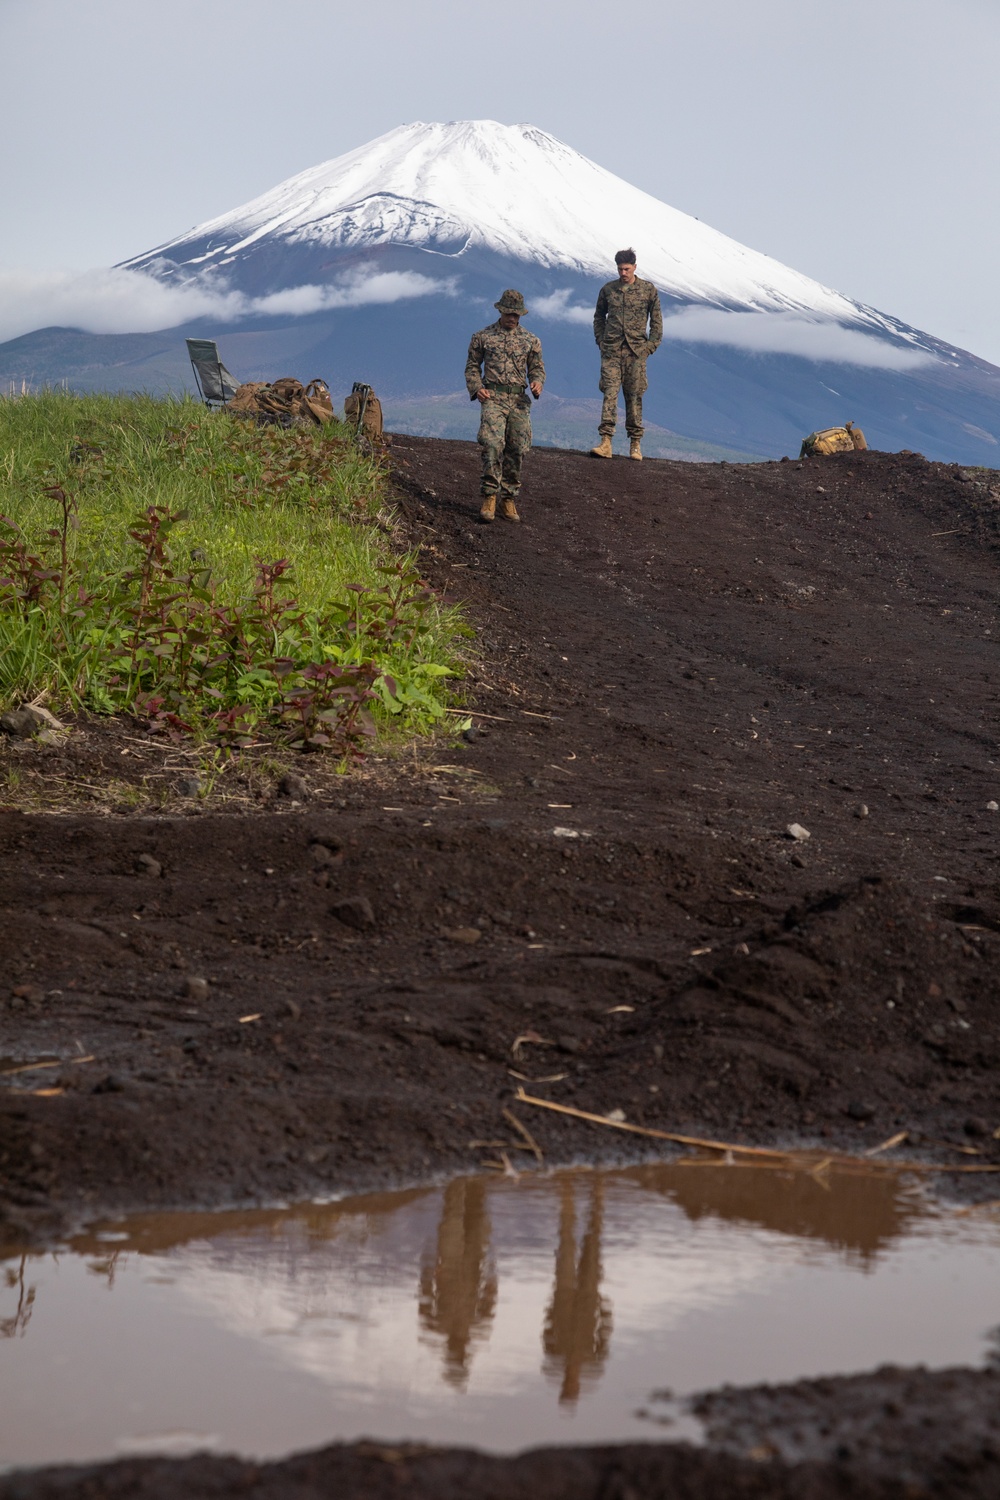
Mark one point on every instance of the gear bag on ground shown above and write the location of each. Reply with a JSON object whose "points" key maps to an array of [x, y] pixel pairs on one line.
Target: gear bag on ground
{"points": [[846, 439], [284, 403], [363, 412]]}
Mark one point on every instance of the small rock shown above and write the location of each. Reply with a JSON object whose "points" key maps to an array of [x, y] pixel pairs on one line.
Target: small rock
{"points": [[796, 831], [321, 855], [976, 1126], [859, 1110], [934, 991], [196, 988], [32, 994], [820, 490], [471, 734], [461, 934], [189, 786], [354, 911], [21, 723], [147, 865], [861, 811], [293, 786], [617, 1116], [565, 833], [112, 1084], [958, 1005], [993, 807]]}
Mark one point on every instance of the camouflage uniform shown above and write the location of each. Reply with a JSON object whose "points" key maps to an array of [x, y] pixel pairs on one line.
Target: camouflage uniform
{"points": [[503, 363], [620, 323]]}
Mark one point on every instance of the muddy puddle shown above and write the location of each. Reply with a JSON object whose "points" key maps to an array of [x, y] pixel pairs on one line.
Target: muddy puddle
{"points": [[580, 1306]]}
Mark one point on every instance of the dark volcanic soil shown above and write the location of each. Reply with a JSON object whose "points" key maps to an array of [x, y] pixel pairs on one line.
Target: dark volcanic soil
{"points": [[677, 662]]}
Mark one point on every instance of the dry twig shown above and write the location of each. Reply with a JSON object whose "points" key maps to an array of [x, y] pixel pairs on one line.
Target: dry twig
{"points": [[525, 1132], [802, 1160]]}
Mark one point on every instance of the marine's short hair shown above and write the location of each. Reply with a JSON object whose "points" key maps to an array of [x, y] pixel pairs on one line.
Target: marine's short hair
{"points": [[625, 258]]}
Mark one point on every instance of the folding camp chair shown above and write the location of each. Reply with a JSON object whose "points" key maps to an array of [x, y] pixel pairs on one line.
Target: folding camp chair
{"points": [[214, 381]]}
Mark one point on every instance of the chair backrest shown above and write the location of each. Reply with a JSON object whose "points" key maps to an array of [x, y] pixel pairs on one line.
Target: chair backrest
{"points": [[214, 381]]}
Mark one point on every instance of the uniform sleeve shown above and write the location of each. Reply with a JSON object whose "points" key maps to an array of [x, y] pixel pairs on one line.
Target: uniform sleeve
{"points": [[655, 321], [536, 365], [473, 367], [600, 315]]}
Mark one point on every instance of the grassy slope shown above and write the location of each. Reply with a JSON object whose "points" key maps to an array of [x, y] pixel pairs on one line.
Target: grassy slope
{"points": [[247, 497]]}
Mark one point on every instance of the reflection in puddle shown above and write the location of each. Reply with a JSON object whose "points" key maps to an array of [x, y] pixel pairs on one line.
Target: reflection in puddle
{"points": [[489, 1312], [577, 1330], [458, 1284]]}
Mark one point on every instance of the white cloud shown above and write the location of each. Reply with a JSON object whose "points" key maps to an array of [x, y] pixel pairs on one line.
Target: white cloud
{"points": [[788, 333], [120, 301], [357, 291], [557, 308], [103, 301]]}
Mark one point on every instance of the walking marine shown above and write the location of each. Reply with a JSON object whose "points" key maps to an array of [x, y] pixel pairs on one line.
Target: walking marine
{"points": [[503, 360], [628, 327]]}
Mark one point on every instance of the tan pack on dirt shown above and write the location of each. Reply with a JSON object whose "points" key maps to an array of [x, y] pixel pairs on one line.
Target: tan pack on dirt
{"points": [[284, 403], [363, 412], [846, 439]]}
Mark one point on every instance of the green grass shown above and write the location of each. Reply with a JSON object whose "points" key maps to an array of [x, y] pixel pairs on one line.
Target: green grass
{"points": [[131, 574]]}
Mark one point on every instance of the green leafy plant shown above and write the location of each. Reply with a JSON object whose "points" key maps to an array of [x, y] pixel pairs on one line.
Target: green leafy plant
{"points": [[215, 578]]}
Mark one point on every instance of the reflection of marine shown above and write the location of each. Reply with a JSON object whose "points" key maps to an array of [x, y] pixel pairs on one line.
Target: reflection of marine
{"points": [[503, 360], [13, 1327], [458, 1290], [578, 1321]]}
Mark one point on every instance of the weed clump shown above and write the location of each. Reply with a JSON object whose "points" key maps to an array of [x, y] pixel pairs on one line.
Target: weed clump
{"points": [[217, 579]]}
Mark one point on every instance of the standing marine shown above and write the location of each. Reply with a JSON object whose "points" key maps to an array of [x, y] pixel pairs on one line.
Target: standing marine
{"points": [[628, 327], [504, 361]]}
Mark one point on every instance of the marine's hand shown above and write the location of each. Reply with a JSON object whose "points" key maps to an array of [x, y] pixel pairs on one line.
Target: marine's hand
{"points": [[536, 388], [482, 394]]}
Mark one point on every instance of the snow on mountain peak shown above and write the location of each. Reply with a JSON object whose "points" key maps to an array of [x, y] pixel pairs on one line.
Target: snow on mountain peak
{"points": [[450, 188]]}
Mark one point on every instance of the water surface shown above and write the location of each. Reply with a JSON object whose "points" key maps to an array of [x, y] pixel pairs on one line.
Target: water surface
{"points": [[489, 1312]]}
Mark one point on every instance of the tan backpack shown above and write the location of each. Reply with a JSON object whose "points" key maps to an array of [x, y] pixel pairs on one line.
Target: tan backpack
{"points": [[363, 412], [846, 439]]}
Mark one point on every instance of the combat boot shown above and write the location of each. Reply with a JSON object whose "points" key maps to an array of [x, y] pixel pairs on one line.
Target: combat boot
{"points": [[488, 509], [603, 449], [634, 450], [508, 509]]}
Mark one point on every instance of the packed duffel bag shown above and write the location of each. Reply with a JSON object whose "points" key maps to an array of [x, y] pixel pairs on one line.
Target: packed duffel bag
{"points": [[846, 439]]}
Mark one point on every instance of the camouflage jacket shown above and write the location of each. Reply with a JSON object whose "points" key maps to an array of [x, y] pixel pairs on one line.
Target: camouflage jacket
{"points": [[500, 358], [622, 315]]}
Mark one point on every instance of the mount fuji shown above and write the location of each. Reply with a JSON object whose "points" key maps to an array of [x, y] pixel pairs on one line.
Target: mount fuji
{"points": [[379, 264]]}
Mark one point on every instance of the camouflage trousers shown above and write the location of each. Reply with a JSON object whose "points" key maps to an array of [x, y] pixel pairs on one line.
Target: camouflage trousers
{"points": [[505, 437], [621, 370]]}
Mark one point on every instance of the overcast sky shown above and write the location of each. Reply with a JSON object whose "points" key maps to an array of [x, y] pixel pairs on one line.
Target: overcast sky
{"points": [[855, 140]]}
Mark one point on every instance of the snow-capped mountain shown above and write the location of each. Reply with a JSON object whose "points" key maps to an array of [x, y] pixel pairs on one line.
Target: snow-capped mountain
{"points": [[509, 190], [379, 263]]}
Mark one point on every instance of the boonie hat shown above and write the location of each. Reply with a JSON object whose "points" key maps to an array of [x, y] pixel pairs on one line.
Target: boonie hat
{"points": [[511, 301]]}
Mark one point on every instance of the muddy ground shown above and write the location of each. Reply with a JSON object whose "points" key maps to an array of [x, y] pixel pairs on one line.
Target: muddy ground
{"points": [[282, 989]]}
